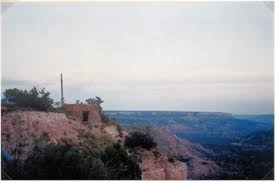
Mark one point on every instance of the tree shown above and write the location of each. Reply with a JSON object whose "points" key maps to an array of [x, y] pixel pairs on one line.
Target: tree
{"points": [[34, 98], [120, 166], [140, 139], [65, 161], [97, 100]]}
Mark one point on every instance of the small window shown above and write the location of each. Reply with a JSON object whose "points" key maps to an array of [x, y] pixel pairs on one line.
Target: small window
{"points": [[85, 115]]}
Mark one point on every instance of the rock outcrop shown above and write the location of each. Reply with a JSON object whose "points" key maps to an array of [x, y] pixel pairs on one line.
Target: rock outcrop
{"points": [[27, 127], [156, 167], [193, 154], [24, 129]]}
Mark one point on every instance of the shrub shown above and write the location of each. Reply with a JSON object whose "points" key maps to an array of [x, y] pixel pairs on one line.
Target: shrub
{"points": [[139, 139], [171, 159], [64, 161], [120, 166], [36, 99]]}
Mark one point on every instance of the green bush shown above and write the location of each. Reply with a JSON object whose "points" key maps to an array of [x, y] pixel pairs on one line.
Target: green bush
{"points": [[120, 166], [139, 139], [64, 161], [34, 98]]}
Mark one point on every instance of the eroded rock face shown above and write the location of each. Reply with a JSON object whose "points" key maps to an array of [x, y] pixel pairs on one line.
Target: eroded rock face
{"points": [[28, 127], [156, 167], [154, 174], [116, 132], [198, 164]]}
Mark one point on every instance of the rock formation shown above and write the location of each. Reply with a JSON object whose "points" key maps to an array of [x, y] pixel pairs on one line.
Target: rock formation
{"points": [[194, 155], [155, 167], [22, 129]]}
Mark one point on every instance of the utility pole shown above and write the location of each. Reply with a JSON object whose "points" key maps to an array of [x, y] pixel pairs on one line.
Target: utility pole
{"points": [[61, 82]]}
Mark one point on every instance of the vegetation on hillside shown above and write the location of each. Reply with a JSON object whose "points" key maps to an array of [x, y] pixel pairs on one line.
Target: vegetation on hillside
{"points": [[140, 139], [64, 161], [239, 163], [33, 98], [100, 160], [119, 164]]}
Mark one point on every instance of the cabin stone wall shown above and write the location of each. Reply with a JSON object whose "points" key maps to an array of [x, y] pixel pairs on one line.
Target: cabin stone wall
{"points": [[76, 111]]}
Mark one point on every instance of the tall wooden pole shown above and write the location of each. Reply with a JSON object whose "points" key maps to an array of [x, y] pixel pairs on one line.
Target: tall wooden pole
{"points": [[61, 82]]}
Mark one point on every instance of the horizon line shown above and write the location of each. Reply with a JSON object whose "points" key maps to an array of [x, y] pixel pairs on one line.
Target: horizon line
{"points": [[111, 110]]}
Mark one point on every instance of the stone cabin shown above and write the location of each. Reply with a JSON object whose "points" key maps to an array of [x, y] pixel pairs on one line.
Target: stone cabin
{"points": [[87, 113]]}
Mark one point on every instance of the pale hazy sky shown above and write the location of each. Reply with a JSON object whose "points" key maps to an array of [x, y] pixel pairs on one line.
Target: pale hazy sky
{"points": [[144, 56]]}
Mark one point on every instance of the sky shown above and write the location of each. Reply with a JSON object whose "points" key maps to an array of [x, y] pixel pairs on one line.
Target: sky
{"points": [[144, 56]]}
